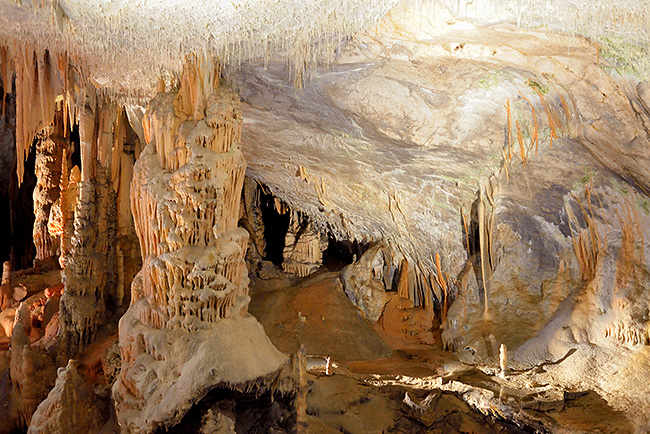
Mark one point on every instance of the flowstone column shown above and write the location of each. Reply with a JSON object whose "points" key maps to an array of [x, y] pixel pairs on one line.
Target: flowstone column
{"points": [[89, 273], [49, 153], [187, 330]]}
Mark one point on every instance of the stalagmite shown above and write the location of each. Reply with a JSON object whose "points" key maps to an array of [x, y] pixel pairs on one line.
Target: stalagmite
{"points": [[32, 372], [49, 155], [6, 273], [67, 203], [89, 275], [6, 293], [70, 406], [503, 360], [193, 287], [251, 202]]}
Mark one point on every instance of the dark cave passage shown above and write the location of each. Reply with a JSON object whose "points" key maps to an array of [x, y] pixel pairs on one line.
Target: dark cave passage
{"points": [[18, 240], [276, 224], [340, 253]]}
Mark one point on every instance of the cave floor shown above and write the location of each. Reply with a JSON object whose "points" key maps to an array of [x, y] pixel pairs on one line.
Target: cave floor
{"points": [[378, 383]]}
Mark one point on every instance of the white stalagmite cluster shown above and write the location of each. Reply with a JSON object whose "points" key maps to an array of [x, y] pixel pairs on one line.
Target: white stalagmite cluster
{"points": [[79, 211], [187, 330], [82, 212], [94, 254]]}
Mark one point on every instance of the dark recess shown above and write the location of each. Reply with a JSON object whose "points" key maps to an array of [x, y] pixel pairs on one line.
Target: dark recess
{"points": [[340, 253], [275, 228], [254, 414]]}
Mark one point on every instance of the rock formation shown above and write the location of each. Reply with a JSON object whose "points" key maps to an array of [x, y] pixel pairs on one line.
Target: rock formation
{"points": [[252, 216], [366, 281], [304, 245], [6, 290], [89, 275], [70, 406], [497, 178], [32, 372], [49, 155], [193, 287]]}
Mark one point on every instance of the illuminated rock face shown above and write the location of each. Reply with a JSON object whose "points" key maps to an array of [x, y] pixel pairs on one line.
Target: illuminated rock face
{"points": [[187, 329], [509, 169]]}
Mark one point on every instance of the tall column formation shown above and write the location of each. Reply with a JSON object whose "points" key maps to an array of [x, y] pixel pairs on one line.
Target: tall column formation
{"points": [[51, 146], [89, 275], [187, 330], [99, 259], [187, 225]]}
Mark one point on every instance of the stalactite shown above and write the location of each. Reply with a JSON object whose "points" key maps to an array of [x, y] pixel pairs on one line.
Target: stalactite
{"points": [[587, 242], [38, 84]]}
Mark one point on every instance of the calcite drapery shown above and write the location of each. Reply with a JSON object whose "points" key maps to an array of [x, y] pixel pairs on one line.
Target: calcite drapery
{"points": [[187, 329]]}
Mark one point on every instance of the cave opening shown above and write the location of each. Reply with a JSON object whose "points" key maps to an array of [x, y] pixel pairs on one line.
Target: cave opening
{"points": [[20, 200], [276, 217], [340, 253], [75, 145]]}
